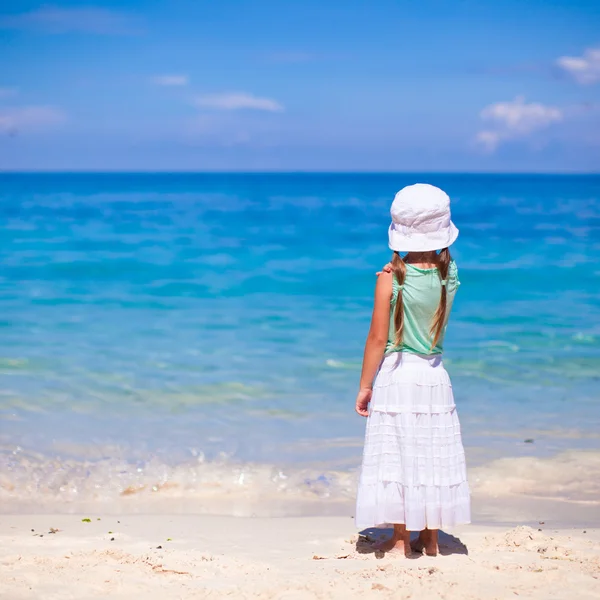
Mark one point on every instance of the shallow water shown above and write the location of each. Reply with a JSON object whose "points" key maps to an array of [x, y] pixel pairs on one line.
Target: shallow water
{"points": [[156, 321]]}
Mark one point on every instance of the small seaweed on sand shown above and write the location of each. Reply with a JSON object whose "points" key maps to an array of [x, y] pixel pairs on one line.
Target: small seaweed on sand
{"points": [[86, 520]]}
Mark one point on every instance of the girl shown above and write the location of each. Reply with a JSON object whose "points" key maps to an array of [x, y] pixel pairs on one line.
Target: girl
{"points": [[413, 471]]}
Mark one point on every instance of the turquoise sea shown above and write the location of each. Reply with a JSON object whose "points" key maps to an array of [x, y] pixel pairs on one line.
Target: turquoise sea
{"points": [[187, 332]]}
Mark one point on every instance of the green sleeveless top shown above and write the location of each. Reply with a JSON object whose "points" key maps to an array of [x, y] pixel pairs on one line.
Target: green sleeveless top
{"points": [[421, 295]]}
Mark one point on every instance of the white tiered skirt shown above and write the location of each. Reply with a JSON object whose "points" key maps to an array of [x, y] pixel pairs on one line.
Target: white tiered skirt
{"points": [[413, 468]]}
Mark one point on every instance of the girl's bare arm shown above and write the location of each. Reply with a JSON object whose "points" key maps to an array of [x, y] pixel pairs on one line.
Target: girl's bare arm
{"points": [[376, 341]]}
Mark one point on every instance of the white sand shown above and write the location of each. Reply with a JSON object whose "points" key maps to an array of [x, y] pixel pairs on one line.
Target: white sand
{"points": [[287, 558]]}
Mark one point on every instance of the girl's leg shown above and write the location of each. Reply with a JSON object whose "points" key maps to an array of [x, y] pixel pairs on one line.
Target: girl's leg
{"points": [[428, 541], [400, 541], [403, 539], [431, 548]]}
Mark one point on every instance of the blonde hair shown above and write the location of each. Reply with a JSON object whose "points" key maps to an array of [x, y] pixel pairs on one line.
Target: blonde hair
{"points": [[439, 318]]}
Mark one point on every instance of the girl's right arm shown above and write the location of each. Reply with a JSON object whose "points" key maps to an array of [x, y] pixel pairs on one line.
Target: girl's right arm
{"points": [[376, 341]]}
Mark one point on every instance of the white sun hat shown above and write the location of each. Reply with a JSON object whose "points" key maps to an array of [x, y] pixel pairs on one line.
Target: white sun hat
{"points": [[421, 219]]}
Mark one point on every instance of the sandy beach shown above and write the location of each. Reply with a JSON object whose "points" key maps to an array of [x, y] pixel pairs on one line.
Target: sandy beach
{"points": [[535, 535], [67, 557]]}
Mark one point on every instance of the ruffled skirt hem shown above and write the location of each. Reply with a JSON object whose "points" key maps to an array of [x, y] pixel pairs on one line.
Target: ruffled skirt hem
{"points": [[418, 507]]}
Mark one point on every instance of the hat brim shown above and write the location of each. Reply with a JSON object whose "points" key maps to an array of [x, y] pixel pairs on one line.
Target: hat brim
{"points": [[422, 242]]}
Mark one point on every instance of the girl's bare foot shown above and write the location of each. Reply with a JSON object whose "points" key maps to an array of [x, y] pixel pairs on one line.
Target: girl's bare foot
{"points": [[427, 541], [419, 544], [399, 542]]}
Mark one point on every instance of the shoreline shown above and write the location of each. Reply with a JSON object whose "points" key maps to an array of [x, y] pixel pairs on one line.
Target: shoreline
{"points": [[175, 556], [563, 489]]}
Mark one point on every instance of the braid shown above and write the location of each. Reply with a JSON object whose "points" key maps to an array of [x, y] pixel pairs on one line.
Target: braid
{"points": [[439, 319], [399, 270]]}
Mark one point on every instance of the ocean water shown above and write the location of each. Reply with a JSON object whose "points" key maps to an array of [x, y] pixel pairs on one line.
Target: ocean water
{"points": [[199, 336]]}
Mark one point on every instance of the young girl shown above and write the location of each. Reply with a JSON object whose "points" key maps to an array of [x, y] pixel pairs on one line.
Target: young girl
{"points": [[413, 471]]}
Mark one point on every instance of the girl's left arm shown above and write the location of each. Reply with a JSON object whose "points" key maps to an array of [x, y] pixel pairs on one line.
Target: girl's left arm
{"points": [[376, 341]]}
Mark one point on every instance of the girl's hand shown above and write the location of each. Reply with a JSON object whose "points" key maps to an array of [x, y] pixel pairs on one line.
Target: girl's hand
{"points": [[362, 401], [386, 269]]}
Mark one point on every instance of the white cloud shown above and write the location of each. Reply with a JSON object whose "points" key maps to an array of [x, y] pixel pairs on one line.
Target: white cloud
{"points": [[584, 69], [29, 118], [171, 80], [53, 19], [237, 101], [520, 117], [515, 119], [8, 92]]}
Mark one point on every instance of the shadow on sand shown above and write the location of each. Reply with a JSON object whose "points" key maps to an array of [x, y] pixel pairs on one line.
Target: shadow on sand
{"points": [[447, 543]]}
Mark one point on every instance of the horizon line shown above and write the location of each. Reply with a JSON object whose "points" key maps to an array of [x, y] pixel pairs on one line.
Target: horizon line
{"points": [[282, 172]]}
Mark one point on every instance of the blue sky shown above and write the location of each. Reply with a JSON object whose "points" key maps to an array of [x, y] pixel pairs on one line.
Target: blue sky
{"points": [[306, 85]]}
